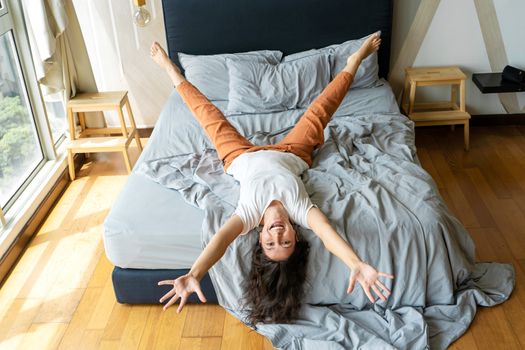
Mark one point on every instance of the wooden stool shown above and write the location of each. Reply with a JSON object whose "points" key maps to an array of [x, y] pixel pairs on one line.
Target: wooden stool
{"points": [[84, 143], [436, 113]]}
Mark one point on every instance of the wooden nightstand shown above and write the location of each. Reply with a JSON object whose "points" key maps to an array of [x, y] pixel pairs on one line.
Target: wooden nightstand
{"points": [[436, 113], [85, 143]]}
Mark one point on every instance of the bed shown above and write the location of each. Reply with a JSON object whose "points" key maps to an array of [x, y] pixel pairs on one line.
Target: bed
{"points": [[366, 177]]}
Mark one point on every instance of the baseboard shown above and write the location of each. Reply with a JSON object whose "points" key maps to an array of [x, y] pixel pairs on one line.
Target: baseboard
{"points": [[17, 248], [497, 119]]}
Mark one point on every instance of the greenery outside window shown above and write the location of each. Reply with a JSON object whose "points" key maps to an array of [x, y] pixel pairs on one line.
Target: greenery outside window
{"points": [[20, 148]]}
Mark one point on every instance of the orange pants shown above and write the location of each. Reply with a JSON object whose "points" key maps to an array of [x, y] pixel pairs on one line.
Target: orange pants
{"points": [[307, 135]]}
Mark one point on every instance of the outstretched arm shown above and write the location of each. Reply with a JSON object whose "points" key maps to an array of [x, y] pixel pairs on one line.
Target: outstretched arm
{"points": [[185, 285], [363, 273]]}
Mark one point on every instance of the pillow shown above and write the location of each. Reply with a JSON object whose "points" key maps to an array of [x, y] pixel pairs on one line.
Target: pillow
{"points": [[209, 73], [368, 71], [302, 54], [261, 87]]}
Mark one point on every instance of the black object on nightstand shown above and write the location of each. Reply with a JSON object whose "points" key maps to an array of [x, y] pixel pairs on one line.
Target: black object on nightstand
{"points": [[492, 83]]}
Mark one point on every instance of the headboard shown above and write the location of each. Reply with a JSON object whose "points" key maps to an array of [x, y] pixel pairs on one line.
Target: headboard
{"points": [[205, 27]]}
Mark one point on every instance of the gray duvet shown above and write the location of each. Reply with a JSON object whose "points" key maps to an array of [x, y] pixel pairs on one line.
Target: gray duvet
{"points": [[367, 180]]}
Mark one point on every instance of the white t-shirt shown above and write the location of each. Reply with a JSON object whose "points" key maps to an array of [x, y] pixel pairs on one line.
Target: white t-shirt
{"points": [[266, 176]]}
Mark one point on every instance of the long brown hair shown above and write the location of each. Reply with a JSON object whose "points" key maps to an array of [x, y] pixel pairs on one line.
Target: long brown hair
{"points": [[274, 290]]}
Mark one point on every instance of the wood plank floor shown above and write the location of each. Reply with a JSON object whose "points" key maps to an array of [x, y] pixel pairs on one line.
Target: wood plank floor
{"points": [[59, 295]]}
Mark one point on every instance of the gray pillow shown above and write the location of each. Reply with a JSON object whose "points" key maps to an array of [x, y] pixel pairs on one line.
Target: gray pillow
{"points": [[302, 54], [209, 73], [260, 87], [368, 71]]}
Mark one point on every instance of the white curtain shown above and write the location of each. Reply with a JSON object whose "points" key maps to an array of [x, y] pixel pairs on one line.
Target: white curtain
{"points": [[47, 22]]}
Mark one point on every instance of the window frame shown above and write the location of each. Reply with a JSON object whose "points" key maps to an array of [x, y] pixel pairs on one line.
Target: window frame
{"points": [[23, 84], [28, 73], [36, 187], [12, 20], [64, 136], [3, 221], [3, 7]]}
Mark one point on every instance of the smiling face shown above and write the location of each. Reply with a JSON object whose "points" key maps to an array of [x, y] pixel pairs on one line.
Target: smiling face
{"points": [[278, 236]]}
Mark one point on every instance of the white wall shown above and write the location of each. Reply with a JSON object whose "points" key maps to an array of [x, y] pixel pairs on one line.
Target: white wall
{"points": [[119, 51], [454, 37], [403, 15], [512, 24], [119, 54]]}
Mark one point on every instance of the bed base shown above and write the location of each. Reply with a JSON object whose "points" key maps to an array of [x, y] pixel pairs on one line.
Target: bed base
{"points": [[139, 286]]}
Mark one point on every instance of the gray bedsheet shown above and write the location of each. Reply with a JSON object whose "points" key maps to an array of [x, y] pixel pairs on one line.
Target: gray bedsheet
{"points": [[366, 180], [152, 227]]}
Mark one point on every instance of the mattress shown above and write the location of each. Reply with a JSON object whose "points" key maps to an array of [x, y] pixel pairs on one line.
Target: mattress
{"points": [[151, 226]]}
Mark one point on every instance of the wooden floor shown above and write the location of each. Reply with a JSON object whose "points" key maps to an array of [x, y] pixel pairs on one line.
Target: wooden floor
{"points": [[60, 295]]}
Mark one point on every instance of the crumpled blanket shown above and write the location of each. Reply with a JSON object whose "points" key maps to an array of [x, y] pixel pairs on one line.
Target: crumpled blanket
{"points": [[367, 180]]}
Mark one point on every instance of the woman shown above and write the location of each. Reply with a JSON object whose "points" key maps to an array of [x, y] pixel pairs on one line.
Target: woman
{"points": [[273, 196]]}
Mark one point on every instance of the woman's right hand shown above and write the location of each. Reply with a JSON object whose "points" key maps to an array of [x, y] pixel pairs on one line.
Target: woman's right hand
{"points": [[183, 287]]}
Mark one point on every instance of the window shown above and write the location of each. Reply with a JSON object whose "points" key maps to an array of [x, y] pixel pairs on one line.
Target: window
{"points": [[20, 150], [28, 156], [31, 161], [56, 114]]}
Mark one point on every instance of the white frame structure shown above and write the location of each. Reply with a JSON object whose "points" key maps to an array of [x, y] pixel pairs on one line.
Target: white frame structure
{"points": [[2, 218], [10, 23], [26, 201], [3, 7]]}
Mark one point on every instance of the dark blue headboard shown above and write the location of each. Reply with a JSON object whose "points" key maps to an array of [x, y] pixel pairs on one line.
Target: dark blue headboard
{"points": [[203, 27]]}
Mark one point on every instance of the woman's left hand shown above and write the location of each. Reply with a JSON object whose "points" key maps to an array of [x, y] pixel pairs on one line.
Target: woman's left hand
{"points": [[368, 278]]}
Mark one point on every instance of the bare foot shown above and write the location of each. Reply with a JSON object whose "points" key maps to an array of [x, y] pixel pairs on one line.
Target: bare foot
{"points": [[370, 46], [160, 57]]}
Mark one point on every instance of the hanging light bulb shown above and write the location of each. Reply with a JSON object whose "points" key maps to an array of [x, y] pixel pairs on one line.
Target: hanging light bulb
{"points": [[141, 16]]}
